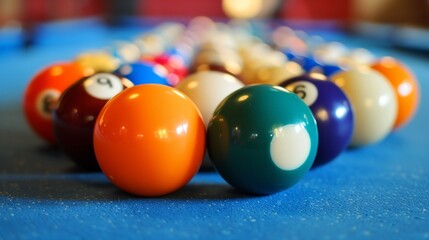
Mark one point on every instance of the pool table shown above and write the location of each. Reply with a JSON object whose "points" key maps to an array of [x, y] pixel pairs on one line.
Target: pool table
{"points": [[380, 191]]}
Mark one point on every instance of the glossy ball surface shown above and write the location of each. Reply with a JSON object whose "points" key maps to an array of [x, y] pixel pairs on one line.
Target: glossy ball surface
{"points": [[262, 139], [332, 110], [207, 89], [154, 147], [42, 94], [143, 73], [78, 108], [374, 103], [406, 88], [175, 66]]}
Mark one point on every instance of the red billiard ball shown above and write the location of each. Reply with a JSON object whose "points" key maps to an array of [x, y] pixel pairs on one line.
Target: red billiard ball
{"points": [[42, 94], [174, 65], [77, 111], [332, 110]]}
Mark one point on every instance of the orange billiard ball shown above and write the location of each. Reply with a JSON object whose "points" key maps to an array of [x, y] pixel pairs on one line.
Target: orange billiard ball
{"points": [[43, 92], [405, 85], [149, 140]]}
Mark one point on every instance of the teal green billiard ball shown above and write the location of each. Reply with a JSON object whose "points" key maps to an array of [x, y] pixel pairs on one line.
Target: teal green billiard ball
{"points": [[262, 139]]}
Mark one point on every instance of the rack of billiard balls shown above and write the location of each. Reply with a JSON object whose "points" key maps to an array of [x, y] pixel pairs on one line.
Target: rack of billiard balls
{"points": [[151, 112]]}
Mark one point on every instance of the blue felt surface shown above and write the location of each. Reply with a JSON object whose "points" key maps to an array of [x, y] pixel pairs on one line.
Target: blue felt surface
{"points": [[377, 192], [11, 38]]}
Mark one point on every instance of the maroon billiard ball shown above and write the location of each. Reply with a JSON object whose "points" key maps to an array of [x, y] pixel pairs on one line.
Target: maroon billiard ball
{"points": [[78, 108]]}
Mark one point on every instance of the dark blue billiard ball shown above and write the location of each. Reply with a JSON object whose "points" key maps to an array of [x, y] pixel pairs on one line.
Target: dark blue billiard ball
{"points": [[332, 110], [144, 72]]}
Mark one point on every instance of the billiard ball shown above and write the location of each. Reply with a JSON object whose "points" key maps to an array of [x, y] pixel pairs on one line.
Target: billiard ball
{"points": [[332, 110], [262, 139], [207, 89], [154, 147], [277, 74], [143, 73], [405, 85], [225, 60], [374, 103], [77, 111], [101, 61], [43, 91], [254, 65], [174, 64]]}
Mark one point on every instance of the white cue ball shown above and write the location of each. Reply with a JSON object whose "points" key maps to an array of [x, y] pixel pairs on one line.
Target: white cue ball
{"points": [[207, 89], [374, 103]]}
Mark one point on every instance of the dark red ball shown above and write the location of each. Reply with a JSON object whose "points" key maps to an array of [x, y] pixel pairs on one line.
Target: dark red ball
{"points": [[78, 108]]}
